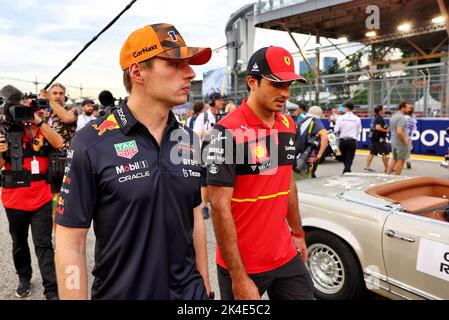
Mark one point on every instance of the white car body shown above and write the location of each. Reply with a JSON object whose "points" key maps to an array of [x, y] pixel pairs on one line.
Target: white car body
{"points": [[400, 255]]}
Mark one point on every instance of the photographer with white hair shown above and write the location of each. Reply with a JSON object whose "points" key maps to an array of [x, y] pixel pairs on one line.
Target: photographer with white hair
{"points": [[311, 129]]}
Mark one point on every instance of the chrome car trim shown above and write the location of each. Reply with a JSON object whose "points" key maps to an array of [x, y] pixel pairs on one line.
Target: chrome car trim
{"points": [[400, 295], [404, 287], [398, 285], [362, 198], [392, 234], [375, 275], [365, 174], [417, 217], [379, 286]]}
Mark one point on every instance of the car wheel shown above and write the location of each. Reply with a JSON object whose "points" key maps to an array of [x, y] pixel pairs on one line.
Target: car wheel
{"points": [[334, 268]]}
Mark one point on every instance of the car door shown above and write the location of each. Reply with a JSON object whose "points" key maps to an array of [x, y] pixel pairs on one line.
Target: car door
{"points": [[416, 253]]}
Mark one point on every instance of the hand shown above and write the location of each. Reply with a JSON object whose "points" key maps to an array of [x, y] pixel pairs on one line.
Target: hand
{"points": [[300, 244], [3, 143], [245, 289], [44, 94], [37, 119], [208, 131], [208, 287]]}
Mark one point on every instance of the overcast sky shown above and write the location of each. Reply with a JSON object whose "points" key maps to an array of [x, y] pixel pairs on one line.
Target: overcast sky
{"points": [[38, 37]]}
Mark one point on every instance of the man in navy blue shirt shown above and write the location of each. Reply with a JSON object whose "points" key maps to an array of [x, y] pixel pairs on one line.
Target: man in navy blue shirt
{"points": [[136, 175]]}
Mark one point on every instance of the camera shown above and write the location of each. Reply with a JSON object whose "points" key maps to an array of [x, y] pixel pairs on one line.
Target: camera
{"points": [[312, 143], [19, 112], [13, 117]]}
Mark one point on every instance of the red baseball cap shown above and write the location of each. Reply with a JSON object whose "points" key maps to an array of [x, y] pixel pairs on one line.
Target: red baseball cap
{"points": [[274, 64]]}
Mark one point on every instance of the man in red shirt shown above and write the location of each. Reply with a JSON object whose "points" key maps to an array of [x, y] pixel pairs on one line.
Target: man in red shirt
{"points": [[27, 206], [255, 212]]}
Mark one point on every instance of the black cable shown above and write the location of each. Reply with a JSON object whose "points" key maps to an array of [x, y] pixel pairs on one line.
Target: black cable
{"points": [[90, 42]]}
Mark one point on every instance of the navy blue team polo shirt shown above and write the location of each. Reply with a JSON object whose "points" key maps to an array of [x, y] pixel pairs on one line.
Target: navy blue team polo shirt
{"points": [[140, 197]]}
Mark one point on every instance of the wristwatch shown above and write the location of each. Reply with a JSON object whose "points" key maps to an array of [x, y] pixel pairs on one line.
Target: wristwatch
{"points": [[298, 235]]}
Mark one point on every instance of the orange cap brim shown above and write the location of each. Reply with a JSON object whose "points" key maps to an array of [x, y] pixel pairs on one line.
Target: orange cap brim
{"points": [[196, 56]]}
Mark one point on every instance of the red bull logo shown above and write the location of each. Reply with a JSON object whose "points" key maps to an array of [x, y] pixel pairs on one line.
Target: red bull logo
{"points": [[109, 124], [60, 207]]}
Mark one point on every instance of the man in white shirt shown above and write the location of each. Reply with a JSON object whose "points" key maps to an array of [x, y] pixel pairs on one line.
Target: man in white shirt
{"points": [[203, 126], [348, 127], [87, 108]]}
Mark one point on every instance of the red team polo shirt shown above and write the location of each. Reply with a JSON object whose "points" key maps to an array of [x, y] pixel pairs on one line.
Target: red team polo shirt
{"points": [[257, 161], [38, 193]]}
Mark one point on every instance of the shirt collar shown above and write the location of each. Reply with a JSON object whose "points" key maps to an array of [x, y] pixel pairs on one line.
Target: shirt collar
{"points": [[211, 113], [254, 120], [127, 121]]}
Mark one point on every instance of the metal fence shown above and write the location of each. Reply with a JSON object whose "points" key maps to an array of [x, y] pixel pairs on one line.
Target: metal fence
{"points": [[423, 85]]}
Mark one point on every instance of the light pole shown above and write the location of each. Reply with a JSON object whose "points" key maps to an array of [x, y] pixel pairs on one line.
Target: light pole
{"points": [[237, 67]]}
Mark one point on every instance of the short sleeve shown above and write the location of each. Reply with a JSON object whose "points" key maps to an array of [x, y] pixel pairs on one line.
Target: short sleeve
{"points": [[220, 157], [318, 126], [77, 201], [337, 125], [199, 123], [379, 121], [402, 123], [197, 200]]}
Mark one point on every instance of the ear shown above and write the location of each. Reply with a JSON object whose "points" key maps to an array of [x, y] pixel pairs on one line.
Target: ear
{"points": [[252, 82], [135, 73]]}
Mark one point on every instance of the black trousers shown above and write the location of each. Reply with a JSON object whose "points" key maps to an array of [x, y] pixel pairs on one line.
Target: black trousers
{"points": [[348, 148], [41, 223], [291, 281]]}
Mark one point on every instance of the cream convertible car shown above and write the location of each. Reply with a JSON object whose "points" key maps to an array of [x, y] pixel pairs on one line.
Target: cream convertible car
{"points": [[386, 234]]}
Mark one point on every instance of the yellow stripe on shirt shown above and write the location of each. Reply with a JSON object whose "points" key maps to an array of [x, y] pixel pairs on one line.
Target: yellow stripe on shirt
{"points": [[270, 196]]}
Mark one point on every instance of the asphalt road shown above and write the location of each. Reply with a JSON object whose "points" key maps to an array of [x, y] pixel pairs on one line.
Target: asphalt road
{"points": [[9, 281]]}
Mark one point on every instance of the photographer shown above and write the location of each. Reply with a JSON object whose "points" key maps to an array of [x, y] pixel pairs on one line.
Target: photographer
{"points": [[64, 123], [312, 142], [27, 202]]}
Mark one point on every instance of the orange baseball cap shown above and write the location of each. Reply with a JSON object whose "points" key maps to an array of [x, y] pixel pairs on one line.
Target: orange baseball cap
{"points": [[162, 40]]}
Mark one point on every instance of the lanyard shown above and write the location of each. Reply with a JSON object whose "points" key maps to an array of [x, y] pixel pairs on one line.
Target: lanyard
{"points": [[32, 140]]}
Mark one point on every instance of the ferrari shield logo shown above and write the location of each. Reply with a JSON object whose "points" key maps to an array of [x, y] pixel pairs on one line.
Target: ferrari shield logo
{"points": [[287, 61], [126, 149]]}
